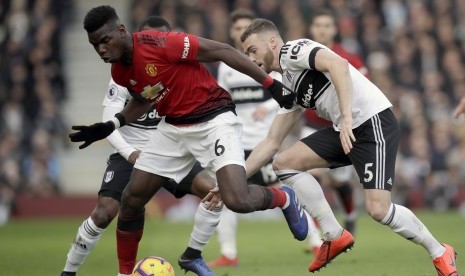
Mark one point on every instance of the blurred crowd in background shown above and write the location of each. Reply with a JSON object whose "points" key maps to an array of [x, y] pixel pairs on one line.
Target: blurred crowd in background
{"points": [[32, 87], [414, 50]]}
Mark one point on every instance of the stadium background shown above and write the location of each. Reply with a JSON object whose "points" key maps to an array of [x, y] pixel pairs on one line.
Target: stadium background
{"points": [[50, 78]]}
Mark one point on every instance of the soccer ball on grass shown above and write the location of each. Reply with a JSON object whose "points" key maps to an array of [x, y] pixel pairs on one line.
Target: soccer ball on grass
{"points": [[153, 266]]}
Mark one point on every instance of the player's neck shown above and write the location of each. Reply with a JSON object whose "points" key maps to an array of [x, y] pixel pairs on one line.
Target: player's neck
{"points": [[126, 58]]}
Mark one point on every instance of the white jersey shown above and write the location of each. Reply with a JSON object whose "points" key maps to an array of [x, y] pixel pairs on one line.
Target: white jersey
{"points": [[315, 89], [248, 94], [138, 132]]}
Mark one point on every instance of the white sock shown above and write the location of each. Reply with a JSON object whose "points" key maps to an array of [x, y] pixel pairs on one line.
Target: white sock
{"points": [[312, 198], [119, 274], [227, 232], [87, 237], [205, 222], [314, 235], [402, 221]]}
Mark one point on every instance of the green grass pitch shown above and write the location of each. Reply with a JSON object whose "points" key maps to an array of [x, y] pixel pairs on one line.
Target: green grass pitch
{"points": [[39, 247]]}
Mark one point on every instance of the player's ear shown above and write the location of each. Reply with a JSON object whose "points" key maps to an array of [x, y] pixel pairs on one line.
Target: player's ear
{"points": [[272, 42], [122, 30]]}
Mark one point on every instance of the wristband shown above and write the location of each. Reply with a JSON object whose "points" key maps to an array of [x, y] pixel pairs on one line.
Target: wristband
{"points": [[115, 122], [121, 120], [268, 81]]}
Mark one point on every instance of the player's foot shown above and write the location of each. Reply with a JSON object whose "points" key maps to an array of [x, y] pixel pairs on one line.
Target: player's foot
{"points": [[446, 265], [295, 216], [224, 261], [67, 273], [198, 266], [329, 250]]}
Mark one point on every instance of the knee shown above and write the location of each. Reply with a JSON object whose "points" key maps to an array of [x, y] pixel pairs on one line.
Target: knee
{"points": [[104, 214], [377, 209], [281, 162], [131, 203]]}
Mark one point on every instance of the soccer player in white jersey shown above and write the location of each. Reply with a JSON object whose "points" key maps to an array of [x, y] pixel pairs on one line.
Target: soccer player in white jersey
{"points": [[365, 134], [255, 109], [127, 142]]}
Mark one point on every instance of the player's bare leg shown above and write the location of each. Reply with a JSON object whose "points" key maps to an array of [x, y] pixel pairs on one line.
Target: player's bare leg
{"points": [[291, 167], [402, 221], [242, 198], [89, 233], [138, 192]]}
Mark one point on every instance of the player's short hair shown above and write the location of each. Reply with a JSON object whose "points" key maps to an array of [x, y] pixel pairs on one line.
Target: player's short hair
{"points": [[99, 16], [155, 22], [257, 26], [322, 12], [242, 14]]}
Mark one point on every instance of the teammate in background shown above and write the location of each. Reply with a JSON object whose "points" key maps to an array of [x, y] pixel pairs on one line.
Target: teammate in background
{"points": [[127, 143], [460, 108], [164, 71], [323, 30], [365, 134]]}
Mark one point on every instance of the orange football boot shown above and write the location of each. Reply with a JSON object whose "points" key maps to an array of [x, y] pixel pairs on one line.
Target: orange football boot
{"points": [[331, 249], [446, 265], [224, 261]]}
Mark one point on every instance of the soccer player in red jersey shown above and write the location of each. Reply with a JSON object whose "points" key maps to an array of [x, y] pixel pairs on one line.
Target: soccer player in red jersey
{"points": [[163, 70]]}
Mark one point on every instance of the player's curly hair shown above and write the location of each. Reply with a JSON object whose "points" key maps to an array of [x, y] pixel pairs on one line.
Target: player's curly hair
{"points": [[257, 26], [99, 16]]}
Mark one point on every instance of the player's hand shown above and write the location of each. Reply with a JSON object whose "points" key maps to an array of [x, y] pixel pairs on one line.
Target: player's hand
{"points": [[260, 113], [283, 95], [92, 133], [133, 157], [214, 199], [460, 108], [346, 135]]}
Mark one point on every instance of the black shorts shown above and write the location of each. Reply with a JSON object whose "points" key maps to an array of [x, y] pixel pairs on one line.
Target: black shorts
{"points": [[265, 176], [116, 177], [185, 185], [373, 154], [119, 171]]}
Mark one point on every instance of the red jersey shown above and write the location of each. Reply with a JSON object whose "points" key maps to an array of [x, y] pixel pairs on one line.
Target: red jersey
{"points": [[165, 71], [311, 117]]}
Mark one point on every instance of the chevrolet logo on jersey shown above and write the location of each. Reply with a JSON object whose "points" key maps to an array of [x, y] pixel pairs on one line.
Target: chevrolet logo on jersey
{"points": [[151, 92]]}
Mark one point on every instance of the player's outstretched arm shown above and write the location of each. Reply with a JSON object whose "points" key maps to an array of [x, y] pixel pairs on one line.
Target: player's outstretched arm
{"points": [[338, 68], [98, 131], [268, 147], [210, 51]]}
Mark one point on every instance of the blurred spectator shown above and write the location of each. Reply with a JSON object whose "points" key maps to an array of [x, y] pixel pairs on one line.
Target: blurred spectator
{"points": [[32, 88]]}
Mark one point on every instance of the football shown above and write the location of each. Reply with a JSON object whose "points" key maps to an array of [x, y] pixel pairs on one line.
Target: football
{"points": [[153, 266]]}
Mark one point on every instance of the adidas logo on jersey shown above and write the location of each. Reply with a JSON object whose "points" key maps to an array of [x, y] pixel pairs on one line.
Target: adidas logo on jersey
{"points": [[132, 82], [389, 181]]}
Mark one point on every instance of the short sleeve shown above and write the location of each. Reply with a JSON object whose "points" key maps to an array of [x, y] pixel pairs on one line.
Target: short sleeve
{"points": [[300, 54], [116, 95], [181, 47]]}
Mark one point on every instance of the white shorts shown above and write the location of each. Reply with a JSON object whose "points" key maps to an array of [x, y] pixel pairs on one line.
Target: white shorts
{"points": [[172, 150]]}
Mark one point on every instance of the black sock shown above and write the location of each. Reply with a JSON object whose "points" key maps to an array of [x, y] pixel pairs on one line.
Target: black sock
{"points": [[191, 254]]}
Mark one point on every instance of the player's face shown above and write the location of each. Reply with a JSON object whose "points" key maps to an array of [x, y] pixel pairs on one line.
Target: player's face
{"points": [[323, 29], [238, 28], [108, 42], [257, 48]]}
